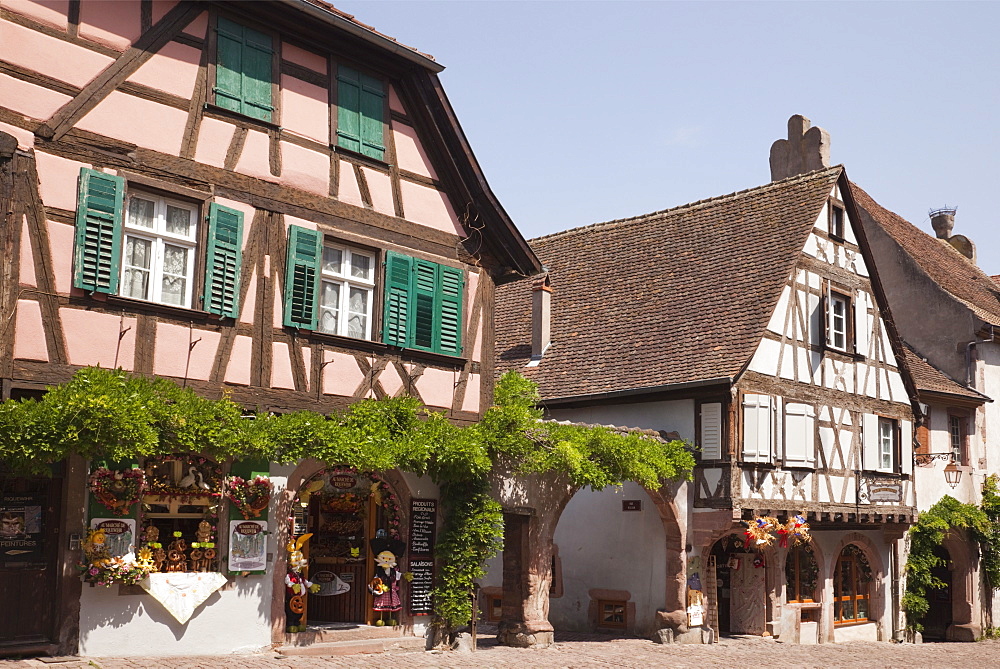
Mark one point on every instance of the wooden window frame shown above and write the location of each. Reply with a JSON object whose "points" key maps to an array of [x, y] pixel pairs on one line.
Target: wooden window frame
{"points": [[347, 282], [795, 555], [213, 58], [836, 219], [892, 430], [843, 297], [158, 237], [859, 591], [613, 604], [959, 419]]}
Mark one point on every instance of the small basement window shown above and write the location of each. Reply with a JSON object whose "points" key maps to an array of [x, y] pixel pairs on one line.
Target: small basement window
{"points": [[611, 613]]}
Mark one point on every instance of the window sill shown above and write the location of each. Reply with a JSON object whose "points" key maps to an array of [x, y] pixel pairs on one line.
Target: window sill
{"points": [[377, 347], [155, 308], [360, 157], [229, 114]]}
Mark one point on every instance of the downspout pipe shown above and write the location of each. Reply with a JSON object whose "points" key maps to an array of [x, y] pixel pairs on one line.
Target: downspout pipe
{"points": [[968, 355]]}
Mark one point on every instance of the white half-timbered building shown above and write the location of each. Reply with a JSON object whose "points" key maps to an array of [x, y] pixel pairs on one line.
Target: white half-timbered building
{"points": [[752, 325]]}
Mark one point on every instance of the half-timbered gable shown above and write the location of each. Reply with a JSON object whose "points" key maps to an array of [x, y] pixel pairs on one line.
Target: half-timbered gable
{"points": [[268, 200], [268, 196]]}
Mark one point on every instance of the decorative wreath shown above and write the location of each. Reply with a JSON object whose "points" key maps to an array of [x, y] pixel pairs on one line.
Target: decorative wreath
{"points": [[117, 490], [759, 531], [250, 496], [796, 529]]}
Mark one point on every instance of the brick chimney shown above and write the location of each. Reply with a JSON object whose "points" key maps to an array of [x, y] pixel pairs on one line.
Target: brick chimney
{"points": [[805, 150], [541, 317]]}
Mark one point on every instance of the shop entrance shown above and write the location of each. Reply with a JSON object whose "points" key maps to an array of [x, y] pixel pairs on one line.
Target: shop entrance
{"points": [[939, 612], [344, 510], [29, 533], [739, 587]]}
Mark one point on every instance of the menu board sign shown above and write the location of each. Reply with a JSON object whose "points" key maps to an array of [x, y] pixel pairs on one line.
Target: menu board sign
{"points": [[421, 585], [423, 522]]}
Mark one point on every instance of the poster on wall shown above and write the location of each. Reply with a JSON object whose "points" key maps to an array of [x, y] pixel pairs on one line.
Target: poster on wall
{"points": [[119, 534], [423, 522], [21, 539], [420, 586], [247, 545], [329, 584]]}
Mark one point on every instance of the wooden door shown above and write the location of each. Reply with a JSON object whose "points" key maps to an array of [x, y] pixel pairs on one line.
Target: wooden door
{"points": [[746, 606], [29, 533]]}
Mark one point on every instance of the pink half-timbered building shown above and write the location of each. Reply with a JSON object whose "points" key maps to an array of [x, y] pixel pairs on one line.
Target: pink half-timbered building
{"points": [[269, 199]]}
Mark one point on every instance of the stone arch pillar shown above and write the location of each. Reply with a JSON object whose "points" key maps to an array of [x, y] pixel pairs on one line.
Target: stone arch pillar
{"points": [[532, 506], [676, 538], [964, 590]]}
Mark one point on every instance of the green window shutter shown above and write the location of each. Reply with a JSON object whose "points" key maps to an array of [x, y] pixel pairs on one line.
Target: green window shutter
{"points": [[302, 277], [229, 66], [360, 112], [243, 70], [425, 322], [257, 74], [395, 321], [222, 261], [451, 290], [349, 108], [372, 106], [98, 231]]}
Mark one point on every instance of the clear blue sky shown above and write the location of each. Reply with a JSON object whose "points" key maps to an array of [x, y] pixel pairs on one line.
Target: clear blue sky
{"points": [[581, 112]]}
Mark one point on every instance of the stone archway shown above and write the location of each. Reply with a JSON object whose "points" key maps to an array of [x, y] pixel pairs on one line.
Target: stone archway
{"points": [[302, 473], [533, 506], [877, 589]]}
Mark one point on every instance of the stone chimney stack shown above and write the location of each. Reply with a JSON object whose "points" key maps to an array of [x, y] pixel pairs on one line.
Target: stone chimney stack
{"points": [[541, 317], [805, 150], [943, 222]]}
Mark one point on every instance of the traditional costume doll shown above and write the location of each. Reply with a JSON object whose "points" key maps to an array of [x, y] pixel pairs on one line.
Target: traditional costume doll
{"points": [[385, 584]]}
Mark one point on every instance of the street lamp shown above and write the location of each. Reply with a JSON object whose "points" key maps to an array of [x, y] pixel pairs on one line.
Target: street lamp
{"points": [[952, 474]]}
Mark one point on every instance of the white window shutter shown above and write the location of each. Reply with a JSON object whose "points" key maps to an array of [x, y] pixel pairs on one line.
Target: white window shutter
{"points": [[758, 434], [711, 431], [800, 446], [869, 443], [861, 324], [906, 447]]}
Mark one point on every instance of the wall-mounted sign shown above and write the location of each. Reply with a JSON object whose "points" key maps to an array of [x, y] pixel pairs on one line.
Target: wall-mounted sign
{"points": [[343, 481], [329, 584], [421, 586], [247, 545], [879, 491], [631, 505], [21, 528], [119, 534], [423, 522]]}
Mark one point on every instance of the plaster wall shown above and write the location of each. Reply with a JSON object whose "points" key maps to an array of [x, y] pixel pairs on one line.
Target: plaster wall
{"points": [[987, 424], [671, 416], [930, 482], [603, 547], [906, 284], [52, 56]]}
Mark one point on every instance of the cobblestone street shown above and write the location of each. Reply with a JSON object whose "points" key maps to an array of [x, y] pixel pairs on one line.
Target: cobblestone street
{"points": [[590, 651]]}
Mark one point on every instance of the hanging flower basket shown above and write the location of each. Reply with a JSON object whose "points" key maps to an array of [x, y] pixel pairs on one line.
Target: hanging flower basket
{"points": [[117, 490], [251, 496]]}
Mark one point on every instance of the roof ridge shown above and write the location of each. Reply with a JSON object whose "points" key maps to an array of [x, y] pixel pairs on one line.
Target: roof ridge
{"points": [[805, 176]]}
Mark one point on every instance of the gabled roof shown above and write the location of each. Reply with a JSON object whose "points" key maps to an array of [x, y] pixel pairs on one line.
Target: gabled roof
{"points": [[957, 275], [673, 297], [930, 379]]}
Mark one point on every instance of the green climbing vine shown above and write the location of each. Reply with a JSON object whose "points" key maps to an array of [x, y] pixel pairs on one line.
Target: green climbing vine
{"points": [[930, 531], [111, 414]]}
